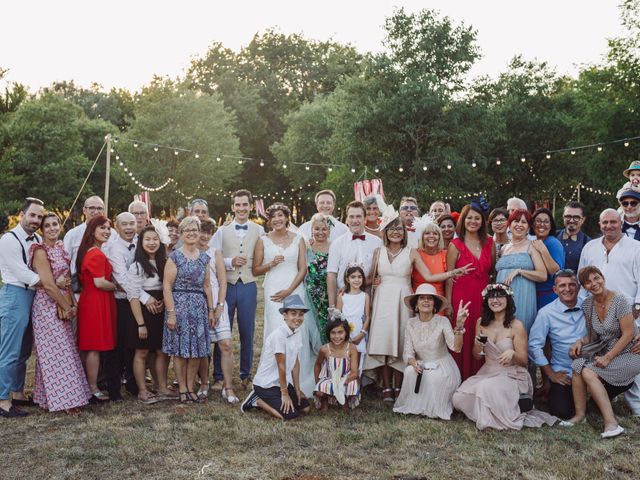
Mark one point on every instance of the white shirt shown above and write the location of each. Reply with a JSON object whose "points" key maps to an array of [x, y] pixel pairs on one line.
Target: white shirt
{"points": [[282, 340], [621, 268], [121, 258], [345, 250], [13, 269], [138, 283], [336, 231], [412, 239], [216, 241]]}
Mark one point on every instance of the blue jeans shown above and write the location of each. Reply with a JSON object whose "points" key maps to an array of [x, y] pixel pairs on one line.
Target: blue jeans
{"points": [[15, 338], [242, 297]]}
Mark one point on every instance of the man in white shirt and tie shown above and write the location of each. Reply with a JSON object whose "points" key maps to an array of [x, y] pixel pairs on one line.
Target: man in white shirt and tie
{"points": [[325, 204], [357, 246], [237, 242], [409, 211], [16, 297], [120, 252]]}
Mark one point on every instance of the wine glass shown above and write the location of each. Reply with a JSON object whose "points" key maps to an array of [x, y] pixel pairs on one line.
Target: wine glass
{"points": [[483, 339]]}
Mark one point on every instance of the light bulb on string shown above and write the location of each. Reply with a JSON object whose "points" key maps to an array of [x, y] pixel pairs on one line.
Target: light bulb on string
{"points": [[573, 152], [113, 150], [197, 155], [377, 170], [121, 164], [401, 169], [262, 163], [155, 148], [126, 169], [135, 145], [548, 155], [306, 167], [626, 143], [424, 168], [498, 162], [353, 170], [330, 169], [117, 157], [175, 152], [284, 165], [474, 164], [599, 148], [449, 167], [240, 162], [523, 159], [217, 159]]}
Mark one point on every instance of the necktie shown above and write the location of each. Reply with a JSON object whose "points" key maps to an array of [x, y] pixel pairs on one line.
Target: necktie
{"points": [[574, 309], [31, 238], [131, 246], [242, 227], [357, 237]]}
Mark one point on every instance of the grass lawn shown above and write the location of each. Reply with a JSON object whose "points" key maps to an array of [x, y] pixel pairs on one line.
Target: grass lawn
{"points": [[214, 440]]}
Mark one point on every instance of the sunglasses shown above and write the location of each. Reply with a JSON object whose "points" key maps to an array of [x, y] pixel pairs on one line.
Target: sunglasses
{"points": [[410, 208], [630, 203]]}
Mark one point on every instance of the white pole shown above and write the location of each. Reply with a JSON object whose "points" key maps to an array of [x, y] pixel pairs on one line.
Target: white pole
{"points": [[107, 175]]}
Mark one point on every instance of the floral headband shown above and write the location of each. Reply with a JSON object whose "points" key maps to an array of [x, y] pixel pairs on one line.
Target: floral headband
{"points": [[497, 286]]}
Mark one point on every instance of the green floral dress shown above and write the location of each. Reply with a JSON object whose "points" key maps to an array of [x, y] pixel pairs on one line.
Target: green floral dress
{"points": [[316, 284]]}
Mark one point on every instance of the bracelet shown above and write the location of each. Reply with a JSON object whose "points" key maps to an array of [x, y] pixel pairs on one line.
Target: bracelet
{"points": [[142, 326], [364, 332], [219, 305], [211, 309], [170, 311]]}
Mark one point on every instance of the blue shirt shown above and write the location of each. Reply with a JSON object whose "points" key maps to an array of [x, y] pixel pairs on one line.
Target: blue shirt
{"points": [[573, 248], [563, 328], [557, 253]]}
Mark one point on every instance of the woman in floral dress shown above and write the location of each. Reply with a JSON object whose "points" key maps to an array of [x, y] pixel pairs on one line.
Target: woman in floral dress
{"points": [[316, 280]]}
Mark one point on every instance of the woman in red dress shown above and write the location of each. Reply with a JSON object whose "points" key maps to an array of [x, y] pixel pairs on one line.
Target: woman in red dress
{"points": [[97, 305], [473, 245]]}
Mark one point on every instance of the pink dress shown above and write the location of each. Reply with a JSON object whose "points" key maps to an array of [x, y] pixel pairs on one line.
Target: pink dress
{"points": [[60, 379], [490, 398], [469, 288]]}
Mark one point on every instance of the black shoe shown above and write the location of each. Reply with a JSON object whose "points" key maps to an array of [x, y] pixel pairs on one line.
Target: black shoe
{"points": [[250, 402], [23, 402], [13, 412]]}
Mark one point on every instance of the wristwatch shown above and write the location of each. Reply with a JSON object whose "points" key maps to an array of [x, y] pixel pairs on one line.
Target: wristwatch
{"points": [[636, 307]]}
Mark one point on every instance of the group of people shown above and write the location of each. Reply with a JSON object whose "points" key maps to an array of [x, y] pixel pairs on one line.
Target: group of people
{"points": [[439, 312]]}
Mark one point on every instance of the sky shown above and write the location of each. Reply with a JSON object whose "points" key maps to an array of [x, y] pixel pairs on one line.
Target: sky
{"points": [[124, 43]]}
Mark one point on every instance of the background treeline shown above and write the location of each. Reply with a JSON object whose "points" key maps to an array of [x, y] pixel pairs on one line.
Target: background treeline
{"points": [[288, 100]]}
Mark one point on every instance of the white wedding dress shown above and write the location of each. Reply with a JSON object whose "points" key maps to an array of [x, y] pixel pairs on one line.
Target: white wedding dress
{"points": [[279, 278]]}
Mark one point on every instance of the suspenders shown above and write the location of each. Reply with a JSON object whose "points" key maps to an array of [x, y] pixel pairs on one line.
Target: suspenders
{"points": [[24, 254]]}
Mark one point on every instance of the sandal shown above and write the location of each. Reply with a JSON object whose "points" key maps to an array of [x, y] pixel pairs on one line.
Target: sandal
{"points": [[230, 397], [387, 395], [98, 397], [185, 397], [149, 399], [197, 398], [203, 393]]}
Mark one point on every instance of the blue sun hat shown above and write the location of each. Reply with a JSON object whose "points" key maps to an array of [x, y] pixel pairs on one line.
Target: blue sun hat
{"points": [[293, 302]]}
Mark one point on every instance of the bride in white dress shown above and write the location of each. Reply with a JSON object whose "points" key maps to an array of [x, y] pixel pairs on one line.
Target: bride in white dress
{"points": [[281, 256]]}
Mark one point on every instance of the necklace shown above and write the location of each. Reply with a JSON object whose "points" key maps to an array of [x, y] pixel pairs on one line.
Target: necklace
{"points": [[394, 255]]}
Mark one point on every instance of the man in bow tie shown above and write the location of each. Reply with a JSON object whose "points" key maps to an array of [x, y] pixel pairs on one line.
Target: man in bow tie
{"points": [[356, 246], [16, 298], [563, 323], [237, 241], [630, 203], [572, 237], [409, 211], [120, 252], [325, 204]]}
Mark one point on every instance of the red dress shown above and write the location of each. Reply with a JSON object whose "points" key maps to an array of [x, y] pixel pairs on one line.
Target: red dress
{"points": [[96, 308], [469, 288]]}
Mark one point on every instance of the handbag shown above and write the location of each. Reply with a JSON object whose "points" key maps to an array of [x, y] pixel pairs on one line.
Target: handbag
{"points": [[593, 348]]}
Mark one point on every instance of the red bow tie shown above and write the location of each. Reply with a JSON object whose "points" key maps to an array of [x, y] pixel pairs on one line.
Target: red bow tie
{"points": [[357, 237], [410, 229]]}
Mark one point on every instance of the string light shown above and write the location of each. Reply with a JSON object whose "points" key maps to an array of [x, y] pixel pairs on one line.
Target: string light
{"points": [[155, 148], [197, 155], [262, 163], [498, 162], [307, 167], [548, 155], [353, 170], [523, 159], [626, 144], [175, 152], [401, 169], [449, 167], [474, 164], [424, 168], [599, 148]]}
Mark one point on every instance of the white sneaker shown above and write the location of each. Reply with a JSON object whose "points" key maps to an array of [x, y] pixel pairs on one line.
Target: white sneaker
{"points": [[612, 433]]}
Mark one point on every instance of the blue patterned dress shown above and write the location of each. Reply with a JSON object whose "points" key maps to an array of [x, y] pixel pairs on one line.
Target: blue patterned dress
{"points": [[191, 338], [524, 290]]}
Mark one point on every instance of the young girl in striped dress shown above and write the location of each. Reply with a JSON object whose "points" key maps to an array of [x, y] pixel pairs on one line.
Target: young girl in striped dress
{"points": [[336, 368]]}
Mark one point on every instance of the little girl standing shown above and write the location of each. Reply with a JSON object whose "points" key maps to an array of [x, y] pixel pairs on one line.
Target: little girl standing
{"points": [[336, 368], [354, 304]]}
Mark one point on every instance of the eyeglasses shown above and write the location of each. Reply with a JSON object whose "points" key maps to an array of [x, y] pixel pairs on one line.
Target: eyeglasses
{"points": [[411, 208], [572, 218], [395, 229], [31, 200], [190, 230], [139, 214], [539, 221], [565, 272], [95, 209], [630, 203], [499, 220]]}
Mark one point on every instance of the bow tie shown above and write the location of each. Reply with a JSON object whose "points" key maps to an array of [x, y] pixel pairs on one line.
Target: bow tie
{"points": [[410, 229], [31, 238], [566, 236], [242, 227], [626, 226], [357, 237], [131, 246], [574, 309]]}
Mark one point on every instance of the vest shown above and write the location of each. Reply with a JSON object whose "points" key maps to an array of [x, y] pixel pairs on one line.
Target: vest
{"points": [[232, 247]]}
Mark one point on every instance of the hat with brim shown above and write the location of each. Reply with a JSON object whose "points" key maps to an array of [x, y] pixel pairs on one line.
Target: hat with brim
{"points": [[293, 302], [629, 194], [427, 289], [635, 165]]}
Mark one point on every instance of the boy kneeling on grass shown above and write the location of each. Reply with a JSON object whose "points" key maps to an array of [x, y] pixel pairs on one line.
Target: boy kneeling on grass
{"points": [[276, 384]]}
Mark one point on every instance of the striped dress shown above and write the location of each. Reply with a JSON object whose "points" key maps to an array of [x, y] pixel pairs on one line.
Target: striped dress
{"points": [[333, 370]]}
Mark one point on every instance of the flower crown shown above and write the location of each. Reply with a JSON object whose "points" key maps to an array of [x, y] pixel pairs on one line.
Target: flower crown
{"points": [[161, 229], [497, 286]]}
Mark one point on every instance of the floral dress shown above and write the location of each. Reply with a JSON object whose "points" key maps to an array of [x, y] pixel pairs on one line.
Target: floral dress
{"points": [[190, 339], [316, 285]]}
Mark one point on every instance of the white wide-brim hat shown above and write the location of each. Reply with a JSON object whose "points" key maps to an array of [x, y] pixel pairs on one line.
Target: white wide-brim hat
{"points": [[427, 289]]}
